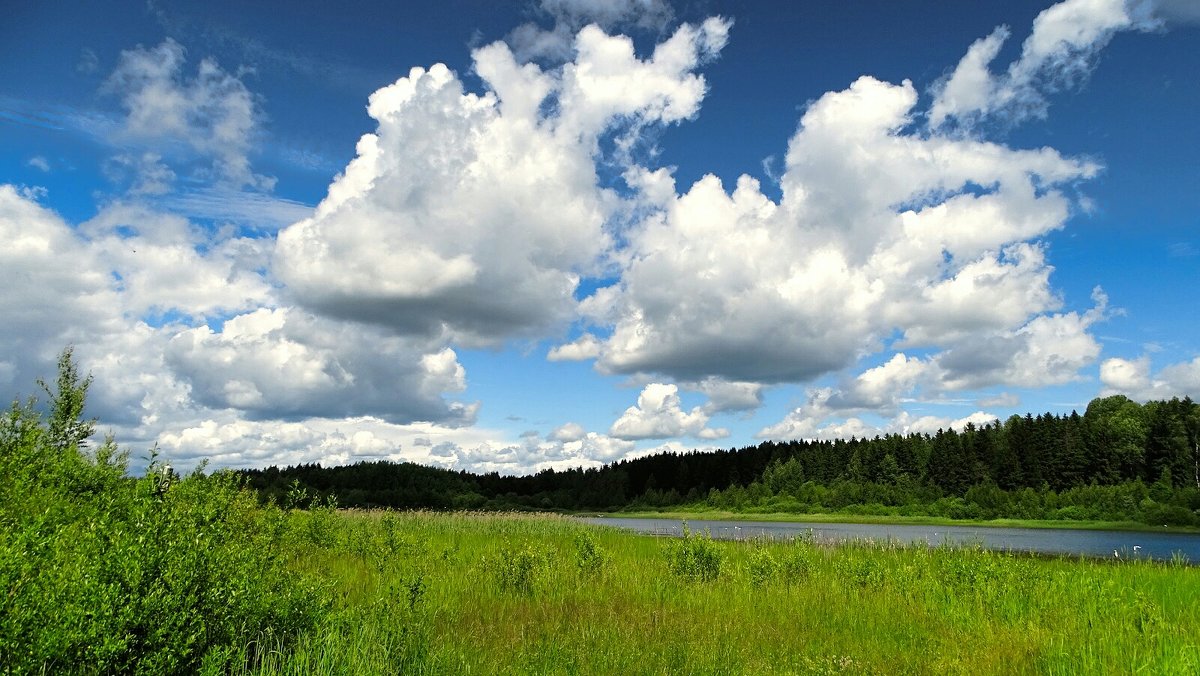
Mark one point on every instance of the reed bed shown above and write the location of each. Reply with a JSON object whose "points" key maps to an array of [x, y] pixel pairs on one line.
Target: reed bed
{"points": [[507, 593]]}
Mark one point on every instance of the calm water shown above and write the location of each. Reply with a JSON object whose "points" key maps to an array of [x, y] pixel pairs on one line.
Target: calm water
{"points": [[1099, 543]]}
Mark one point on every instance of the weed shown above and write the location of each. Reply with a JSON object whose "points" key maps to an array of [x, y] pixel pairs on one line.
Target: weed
{"points": [[590, 557], [519, 569], [762, 567], [694, 556]]}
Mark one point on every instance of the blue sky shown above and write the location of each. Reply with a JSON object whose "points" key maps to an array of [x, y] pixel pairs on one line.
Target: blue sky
{"points": [[505, 236]]}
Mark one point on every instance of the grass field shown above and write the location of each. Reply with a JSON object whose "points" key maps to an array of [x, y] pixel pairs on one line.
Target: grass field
{"points": [[102, 573], [486, 594]]}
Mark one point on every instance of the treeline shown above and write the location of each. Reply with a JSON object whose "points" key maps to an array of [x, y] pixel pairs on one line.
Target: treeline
{"points": [[1120, 460]]}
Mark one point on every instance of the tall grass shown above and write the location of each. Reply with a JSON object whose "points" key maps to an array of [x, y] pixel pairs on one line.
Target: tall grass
{"points": [[486, 593], [102, 573]]}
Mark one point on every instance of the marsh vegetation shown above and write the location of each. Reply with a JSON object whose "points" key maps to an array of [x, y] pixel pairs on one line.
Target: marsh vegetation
{"points": [[168, 574]]}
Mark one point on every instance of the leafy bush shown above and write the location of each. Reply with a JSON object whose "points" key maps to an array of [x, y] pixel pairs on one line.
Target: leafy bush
{"points": [[762, 567], [694, 556], [590, 558], [798, 563], [106, 573], [519, 569]]}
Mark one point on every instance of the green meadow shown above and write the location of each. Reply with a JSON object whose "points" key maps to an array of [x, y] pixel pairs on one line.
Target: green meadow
{"points": [[104, 573], [475, 593]]}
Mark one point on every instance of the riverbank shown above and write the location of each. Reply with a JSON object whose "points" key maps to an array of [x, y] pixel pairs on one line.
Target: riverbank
{"points": [[503, 593], [720, 515]]}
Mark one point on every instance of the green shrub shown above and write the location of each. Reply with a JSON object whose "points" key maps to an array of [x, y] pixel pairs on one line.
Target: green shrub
{"points": [[762, 567], [694, 556], [590, 557], [519, 569], [110, 574]]}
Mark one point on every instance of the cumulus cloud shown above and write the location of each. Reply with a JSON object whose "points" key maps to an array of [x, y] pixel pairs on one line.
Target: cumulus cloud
{"points": [[568, 432], [60, 289], [231, 441], [468, 219], [930, 424], [882, 386], [659, 415], [530, 41], [582, 348], [198, 390], [725, 396], [473, 216], [1048, 350], [815, 422], [534, 454], [1059, 53], [284, 363], [162, 263], [211, 113], [879, 232], [1134, 378], [818, 419], [56, 290]]}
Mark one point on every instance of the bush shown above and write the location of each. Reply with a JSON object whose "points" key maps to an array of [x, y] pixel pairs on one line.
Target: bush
{"points": [[590, 558], [519, 569], [106, 573], [694, 556], [762, 567]]}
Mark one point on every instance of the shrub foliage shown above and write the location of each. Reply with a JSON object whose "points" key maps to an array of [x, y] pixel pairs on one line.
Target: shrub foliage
{"points": [[107, 573]]}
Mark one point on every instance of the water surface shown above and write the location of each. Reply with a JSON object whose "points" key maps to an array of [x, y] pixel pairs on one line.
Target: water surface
{"points": [[1091, 543]]}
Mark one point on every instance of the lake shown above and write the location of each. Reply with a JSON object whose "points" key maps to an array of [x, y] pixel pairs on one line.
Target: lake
{"points": [[1092, 543]]}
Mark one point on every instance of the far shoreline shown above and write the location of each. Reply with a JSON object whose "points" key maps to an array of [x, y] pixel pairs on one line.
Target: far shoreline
{"points": [[788, 517]]}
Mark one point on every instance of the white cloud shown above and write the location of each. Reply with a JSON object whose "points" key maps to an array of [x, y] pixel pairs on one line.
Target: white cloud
{"points": [[286, 364], [818, 420], [534, 454], [211, 113], [474, 216], [568, 432], [145, 172], [930, 424], [40, 163], [1059, 53], [582, 348], [230, 441], [882, 386], [970, 88], [812, 423], [56, 290], [1001, 400], [1133, 378], [192, 390], [255, 211], [531, 42], [658, 415], [470, 219], [879, 232], [1048, 350], [724, 395], [164, 264]]}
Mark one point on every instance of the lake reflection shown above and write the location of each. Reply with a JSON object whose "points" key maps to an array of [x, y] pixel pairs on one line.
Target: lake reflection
{"points": [[1092, 543]]}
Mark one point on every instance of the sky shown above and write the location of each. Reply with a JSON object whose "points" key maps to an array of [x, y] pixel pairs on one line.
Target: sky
{"points": [[517, 236]]}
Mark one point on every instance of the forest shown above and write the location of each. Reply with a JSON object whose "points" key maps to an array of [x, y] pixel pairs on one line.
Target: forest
{"points": [[1119, 461]]}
